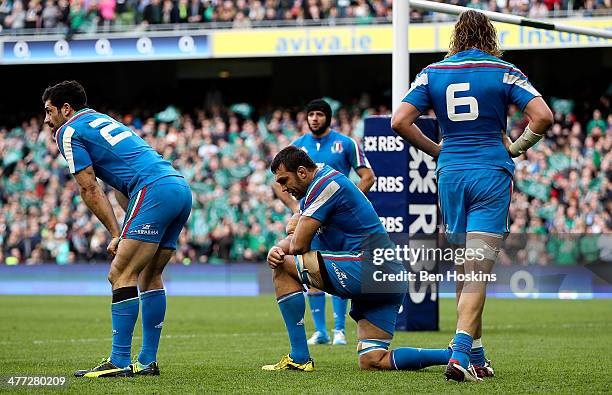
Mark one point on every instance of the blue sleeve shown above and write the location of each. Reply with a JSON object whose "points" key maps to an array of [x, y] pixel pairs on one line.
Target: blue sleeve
{"points": [[418, 94], [520, 90], [74, 151], [355, 154], [320, 203]]}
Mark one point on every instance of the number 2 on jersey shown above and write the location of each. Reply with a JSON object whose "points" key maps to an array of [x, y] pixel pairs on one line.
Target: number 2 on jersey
{"points": [[105, 131], [453, 102]]}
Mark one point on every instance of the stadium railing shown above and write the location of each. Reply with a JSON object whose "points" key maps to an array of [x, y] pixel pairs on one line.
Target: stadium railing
{"points": [[432, 18]]}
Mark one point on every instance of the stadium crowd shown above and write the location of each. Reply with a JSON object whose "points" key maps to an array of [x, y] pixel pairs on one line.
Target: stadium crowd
{"points": [[89, 15], [562, 186]]}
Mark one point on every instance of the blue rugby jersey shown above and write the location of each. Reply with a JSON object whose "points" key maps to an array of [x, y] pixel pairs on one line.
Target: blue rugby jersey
{"points": [[347, 216], [470, 93], [119, 156], [334, 149]]}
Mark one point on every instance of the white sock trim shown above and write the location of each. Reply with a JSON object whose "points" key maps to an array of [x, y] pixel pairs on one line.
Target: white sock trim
{"points": [[152, 290], [458, 331], [477, 343]]}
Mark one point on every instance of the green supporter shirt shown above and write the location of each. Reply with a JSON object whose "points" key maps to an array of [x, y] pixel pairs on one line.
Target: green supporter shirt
{"points": [[559, 161], [564, 251], [535, 189], [596, 122], [588, 248]]}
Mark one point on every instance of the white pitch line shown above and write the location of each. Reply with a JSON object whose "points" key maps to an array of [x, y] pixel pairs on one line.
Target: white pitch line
{"points": [[106, 339]]}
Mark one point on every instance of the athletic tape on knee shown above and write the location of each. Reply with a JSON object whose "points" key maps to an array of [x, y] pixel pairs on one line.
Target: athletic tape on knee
{"points": [[480, 246], [366, 345]]}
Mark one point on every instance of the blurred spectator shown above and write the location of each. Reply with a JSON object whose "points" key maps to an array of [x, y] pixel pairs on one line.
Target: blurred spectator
{"points": [[50, 15], [17, 18], [223, 154], [107, 12], [560, 212], [563, 186], [243, 13], [32, 20], [241, 21], [153, 12]]}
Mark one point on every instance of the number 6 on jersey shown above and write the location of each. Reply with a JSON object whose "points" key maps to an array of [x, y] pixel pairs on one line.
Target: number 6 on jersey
{"points": [[453, 102]]}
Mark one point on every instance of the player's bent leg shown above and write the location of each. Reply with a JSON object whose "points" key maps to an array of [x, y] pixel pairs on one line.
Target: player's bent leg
{"points": [[316, 300], [374, 354], [471, 305], [477, 353], [291, 302], [373, 346], [132, 257], [339, 306], [153, 305]]}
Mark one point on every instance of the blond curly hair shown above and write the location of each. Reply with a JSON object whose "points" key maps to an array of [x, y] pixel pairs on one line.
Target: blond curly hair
{"points": [[474, 30]]}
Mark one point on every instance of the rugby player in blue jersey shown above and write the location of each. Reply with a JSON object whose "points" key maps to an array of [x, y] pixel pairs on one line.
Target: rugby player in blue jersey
{"points": [[470, 91], [157, 203], [342, 153], [349, 231]]}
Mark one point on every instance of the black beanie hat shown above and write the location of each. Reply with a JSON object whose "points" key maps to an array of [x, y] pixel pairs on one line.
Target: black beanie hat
{"points": [[323, 106]]}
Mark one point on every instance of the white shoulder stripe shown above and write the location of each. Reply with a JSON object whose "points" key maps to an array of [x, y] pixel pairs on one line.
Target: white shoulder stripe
{"points": [[323, 197], [67, 145], [511, 79], [421, 79], [357, 156]]}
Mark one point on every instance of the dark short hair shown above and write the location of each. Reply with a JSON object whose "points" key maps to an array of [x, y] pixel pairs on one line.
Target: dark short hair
{"points": [[70, 92], [292, 157]]}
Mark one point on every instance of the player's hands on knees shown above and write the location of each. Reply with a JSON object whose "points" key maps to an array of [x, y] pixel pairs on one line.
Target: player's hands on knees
{"points": [[276, 256], [113, 245]]}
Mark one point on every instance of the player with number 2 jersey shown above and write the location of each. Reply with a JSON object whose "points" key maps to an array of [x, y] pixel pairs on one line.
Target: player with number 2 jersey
{"points": [[157, 203]]}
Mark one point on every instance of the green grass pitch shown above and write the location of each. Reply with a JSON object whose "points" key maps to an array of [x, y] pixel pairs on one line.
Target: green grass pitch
{"points": [[218, 344]]}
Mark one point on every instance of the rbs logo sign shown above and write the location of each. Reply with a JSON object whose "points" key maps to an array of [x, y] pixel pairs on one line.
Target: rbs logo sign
{"points": [[388, 184], [393, 224], [383, 143]]}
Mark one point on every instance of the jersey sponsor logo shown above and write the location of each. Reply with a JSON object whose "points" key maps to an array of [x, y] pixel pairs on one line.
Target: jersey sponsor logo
{"points": [[340, 275], [388, 184], [393, 224], [383, 143], [337, 147], [146, 230]]}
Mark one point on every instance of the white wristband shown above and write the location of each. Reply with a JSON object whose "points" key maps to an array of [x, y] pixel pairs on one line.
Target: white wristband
{"points": [[526, 140]]}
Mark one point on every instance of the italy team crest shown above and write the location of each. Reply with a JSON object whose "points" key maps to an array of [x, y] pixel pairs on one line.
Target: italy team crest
{"points": [[337, 147]]}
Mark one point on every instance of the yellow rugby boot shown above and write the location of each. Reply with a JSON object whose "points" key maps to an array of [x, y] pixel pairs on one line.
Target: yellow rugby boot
{"points": [[286, 363]]}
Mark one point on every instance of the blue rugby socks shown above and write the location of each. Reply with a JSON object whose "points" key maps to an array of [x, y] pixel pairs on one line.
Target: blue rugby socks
{"points": [[339, 306], [317, 308], [408, 358], [462, 345], [292, 307], [153, 312], [124, 311], [477, 353]]}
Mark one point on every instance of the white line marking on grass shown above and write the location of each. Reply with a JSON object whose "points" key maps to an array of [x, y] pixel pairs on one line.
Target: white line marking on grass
{"points": [[106, 339]]}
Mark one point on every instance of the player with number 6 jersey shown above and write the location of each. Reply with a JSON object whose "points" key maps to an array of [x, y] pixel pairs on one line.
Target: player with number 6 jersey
{"points": [[157, 204], [469, 91]]}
